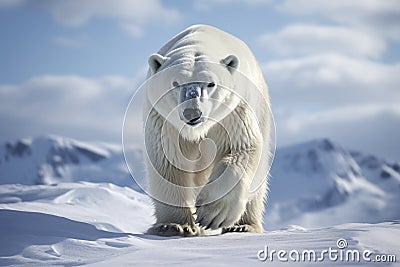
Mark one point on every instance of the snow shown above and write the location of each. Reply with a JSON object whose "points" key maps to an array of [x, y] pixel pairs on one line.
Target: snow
{"points": [[103, 225], [65, 202], [106, 206]]}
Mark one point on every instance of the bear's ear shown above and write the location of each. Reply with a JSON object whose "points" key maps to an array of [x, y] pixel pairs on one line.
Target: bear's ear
{"points": [[155, 62], [231, 61]]}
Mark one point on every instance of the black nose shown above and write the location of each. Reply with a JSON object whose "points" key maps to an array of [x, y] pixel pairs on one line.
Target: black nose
{"points": [[192, 115]]}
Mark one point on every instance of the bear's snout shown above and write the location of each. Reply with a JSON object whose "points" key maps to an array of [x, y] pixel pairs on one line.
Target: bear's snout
{"points": [[192, 115]]}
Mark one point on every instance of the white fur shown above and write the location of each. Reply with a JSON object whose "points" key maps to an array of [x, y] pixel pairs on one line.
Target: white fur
{"points": [[226, 177]]}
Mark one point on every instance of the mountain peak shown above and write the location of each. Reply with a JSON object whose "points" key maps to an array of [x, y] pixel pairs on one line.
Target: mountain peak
{"points": [[324, 144], [51, 158]]}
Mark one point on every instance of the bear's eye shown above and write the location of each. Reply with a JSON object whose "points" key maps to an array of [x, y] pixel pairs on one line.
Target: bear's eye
{"points": [[175, 84], [212, 84]]}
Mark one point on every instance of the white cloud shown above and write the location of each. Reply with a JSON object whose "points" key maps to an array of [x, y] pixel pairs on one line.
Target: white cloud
{"points": [[369, 128], [335, 90], [382, 17], [303, 39], [353, 101], [299, 120], [133, 15], [68, 105], [132, 29], [73, 13], [207, 4], [331, 80]]}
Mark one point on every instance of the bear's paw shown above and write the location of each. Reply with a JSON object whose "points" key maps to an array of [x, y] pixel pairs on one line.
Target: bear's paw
{"points": [[174, 229]]}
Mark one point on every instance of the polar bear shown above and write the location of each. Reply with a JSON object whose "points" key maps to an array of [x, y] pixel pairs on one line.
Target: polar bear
{"points": [[207, 126]]}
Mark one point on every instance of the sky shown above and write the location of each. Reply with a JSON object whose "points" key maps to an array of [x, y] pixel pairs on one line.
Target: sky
{"points": [[333, 67]]}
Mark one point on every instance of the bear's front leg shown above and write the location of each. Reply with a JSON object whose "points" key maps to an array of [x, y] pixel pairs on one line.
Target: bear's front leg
{"points": [[222, 201]]}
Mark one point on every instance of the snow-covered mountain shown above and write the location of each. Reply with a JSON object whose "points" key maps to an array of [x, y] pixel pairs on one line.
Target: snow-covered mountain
{"points": [[313, 184], [319, 183], [54, 159]]}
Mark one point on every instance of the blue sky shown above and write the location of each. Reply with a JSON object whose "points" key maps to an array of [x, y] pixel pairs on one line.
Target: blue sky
{"points": [[70, 67]]}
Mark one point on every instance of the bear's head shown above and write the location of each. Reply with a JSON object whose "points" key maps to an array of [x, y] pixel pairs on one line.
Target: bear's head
{"points": [[193, 94]]}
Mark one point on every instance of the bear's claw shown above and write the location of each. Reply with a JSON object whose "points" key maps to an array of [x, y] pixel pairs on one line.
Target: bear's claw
{"points": [[238, 228]]}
